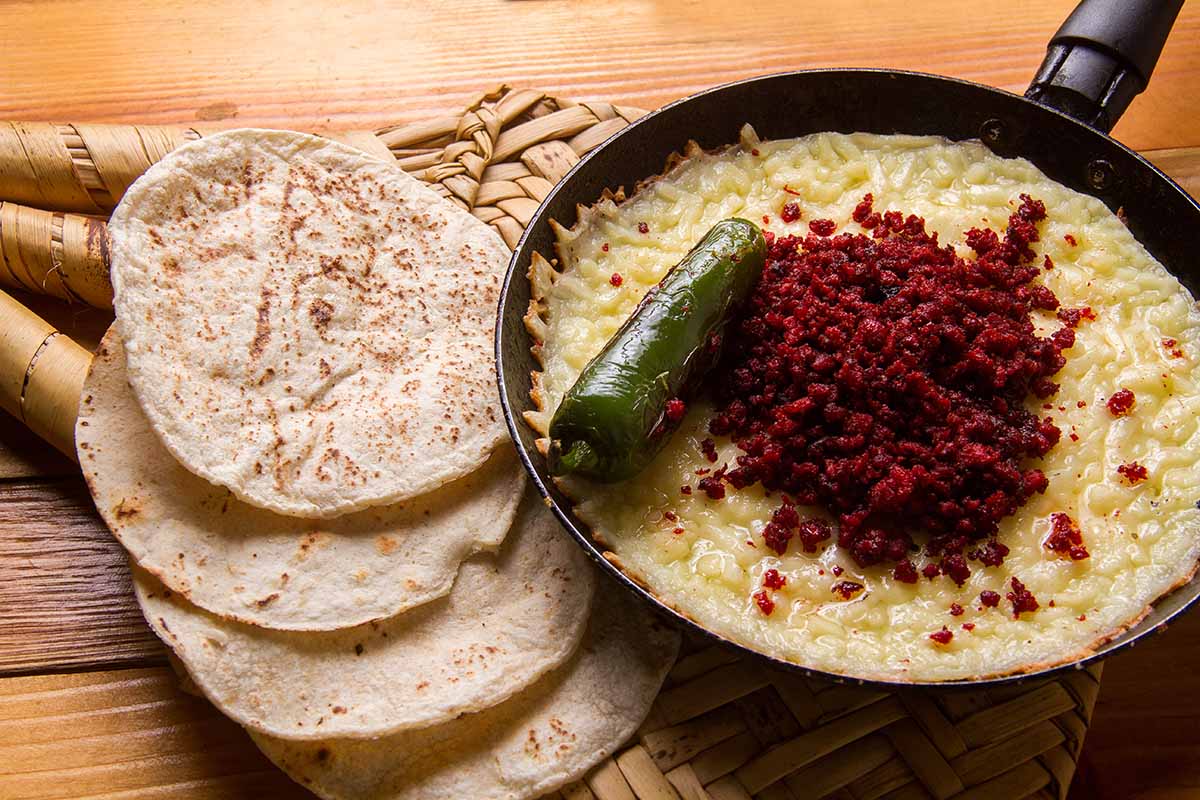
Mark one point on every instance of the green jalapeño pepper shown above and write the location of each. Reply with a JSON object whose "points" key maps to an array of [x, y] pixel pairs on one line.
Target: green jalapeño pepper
{"points": [[630, 397]]}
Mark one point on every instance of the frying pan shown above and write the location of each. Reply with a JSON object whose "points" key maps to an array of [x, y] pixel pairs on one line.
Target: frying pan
{"points": [[1096, 63]]}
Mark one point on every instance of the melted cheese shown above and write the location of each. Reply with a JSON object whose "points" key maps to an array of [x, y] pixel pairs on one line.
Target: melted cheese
{"points": [[1144, 539]]}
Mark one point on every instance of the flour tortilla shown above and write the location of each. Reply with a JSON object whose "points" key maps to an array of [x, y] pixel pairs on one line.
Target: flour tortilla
{"points": [[544, 737], [305, 324], [263, 568], [509, 619]]}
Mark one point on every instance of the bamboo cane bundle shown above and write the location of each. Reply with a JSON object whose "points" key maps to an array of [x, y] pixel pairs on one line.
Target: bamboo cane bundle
{"points": [[82, 168], [49, 252]]}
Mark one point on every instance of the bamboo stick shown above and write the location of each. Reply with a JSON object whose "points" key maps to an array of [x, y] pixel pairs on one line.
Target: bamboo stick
{"points": [[81, 168], [41, 374], [62, 255]]}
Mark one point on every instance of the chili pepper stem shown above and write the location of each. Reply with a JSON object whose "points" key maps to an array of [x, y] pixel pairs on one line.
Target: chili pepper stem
{"points": [[579, 458]]}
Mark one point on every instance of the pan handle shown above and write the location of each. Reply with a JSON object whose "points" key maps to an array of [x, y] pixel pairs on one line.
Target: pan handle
{"points": [[1102, 57]]}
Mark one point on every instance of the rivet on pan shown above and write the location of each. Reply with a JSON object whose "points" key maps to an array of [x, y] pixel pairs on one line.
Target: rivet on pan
{"points": [[1100, 174], [993, 132]]}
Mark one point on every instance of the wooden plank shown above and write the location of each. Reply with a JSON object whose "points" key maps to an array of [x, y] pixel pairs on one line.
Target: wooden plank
{"points": [[65, 596], [24, 455], [1181, 163], [125, 734], [304, 65], [1142, 742]]}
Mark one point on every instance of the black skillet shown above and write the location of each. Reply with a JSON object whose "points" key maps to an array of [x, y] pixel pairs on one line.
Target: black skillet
{"points": [[1099, 60]]}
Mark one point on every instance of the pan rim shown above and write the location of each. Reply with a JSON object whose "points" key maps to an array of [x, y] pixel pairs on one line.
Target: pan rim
{"points": [[514, 421]]}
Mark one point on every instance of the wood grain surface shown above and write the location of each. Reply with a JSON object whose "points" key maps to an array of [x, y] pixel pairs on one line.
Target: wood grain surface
{"points": [[114, 734], [87, 706], [363, 64], [65, 594]]}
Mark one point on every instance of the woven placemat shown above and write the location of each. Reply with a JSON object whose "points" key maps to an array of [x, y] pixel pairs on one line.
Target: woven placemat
{"points": [[724, 727]]}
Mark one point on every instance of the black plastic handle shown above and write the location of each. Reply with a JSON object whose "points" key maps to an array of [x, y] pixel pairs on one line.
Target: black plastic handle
{"points": [[1102, 57]]}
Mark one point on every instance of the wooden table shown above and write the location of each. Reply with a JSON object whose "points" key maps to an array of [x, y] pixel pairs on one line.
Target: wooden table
{"points": [[72, 644]]}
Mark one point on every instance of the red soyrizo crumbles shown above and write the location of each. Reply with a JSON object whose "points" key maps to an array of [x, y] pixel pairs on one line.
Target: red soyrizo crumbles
{"points": [[883, 377]]}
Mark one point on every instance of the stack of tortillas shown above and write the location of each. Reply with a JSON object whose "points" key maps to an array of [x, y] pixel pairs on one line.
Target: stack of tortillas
{"points": [[293, 429]]}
